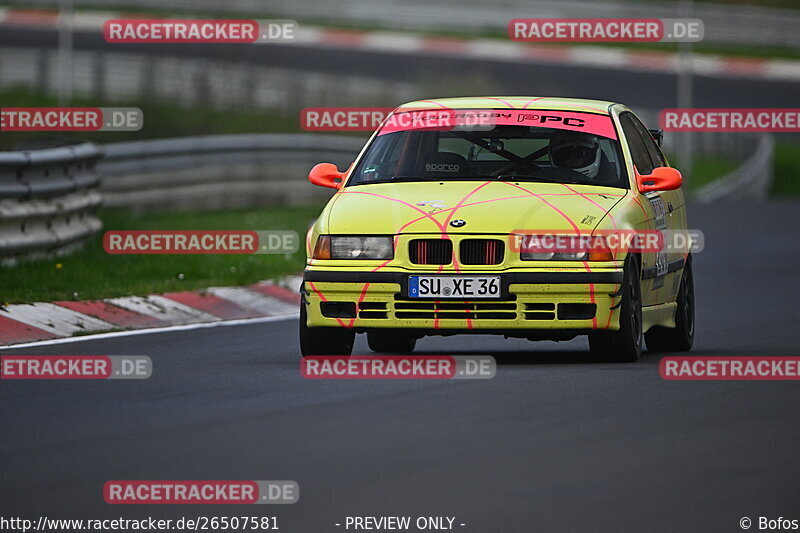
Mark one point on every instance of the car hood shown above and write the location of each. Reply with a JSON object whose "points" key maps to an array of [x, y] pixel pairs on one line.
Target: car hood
{"points": [[468, 207]]}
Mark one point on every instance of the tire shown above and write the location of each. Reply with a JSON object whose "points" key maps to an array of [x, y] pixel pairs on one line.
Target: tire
{"points": [[681, 337], [624, 345], [324, 341], [390, 342]]}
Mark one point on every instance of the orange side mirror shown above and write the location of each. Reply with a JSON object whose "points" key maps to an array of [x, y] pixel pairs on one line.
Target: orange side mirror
{"points": [[326, 175], [661, 179]]}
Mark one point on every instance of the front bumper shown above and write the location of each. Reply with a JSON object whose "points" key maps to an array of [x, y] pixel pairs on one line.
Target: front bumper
{"points": [[564, 299]]}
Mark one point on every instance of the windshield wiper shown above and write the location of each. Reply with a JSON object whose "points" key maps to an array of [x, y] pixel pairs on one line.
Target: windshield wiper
{"points": [[511, 177], [393, 179], [405, 178], [396, 179]]}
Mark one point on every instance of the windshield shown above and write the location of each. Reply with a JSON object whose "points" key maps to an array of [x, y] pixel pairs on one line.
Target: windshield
{"points": [[507, 150]]}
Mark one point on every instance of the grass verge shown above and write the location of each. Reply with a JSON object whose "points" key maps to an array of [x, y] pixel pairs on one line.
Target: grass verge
{"points": [[787, 163], [92, 273], [705, 169], [161, 119]]}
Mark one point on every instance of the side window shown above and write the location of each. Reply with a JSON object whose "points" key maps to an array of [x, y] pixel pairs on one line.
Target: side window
{"points": [[652, 148], [381, 161], [636, 143]]}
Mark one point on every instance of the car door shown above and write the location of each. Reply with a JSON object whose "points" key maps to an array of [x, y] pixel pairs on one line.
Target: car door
{"points": [[675, 214], [657, 282]]}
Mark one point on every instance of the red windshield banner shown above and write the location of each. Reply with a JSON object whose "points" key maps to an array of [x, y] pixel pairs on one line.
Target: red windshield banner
{"points": [[462, 119]]}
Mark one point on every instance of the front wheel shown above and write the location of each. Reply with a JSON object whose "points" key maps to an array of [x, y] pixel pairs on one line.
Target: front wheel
{"points": [[324, 341], [625, 344], [681, 337]]}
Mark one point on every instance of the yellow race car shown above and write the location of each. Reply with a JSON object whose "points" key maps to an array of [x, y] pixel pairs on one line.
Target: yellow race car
{"points": [[439, 228]]}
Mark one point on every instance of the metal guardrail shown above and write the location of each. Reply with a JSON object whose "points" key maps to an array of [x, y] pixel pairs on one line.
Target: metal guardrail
{"points": [[220, 171], [751, 180], [47, 199]]}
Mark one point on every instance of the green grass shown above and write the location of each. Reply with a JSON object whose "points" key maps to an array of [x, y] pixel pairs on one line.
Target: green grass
{"points": [[787, 165], [92, 273], [705, 169], [708, 168], [161, 119]]}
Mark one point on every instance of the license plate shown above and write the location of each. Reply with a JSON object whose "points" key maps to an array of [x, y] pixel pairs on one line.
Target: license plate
{"points": [[463, 287]]}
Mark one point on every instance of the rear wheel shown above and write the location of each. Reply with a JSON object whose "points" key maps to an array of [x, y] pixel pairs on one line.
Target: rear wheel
{"points": [[625, 344], [681, 337], [324, 341], [390, 341]]}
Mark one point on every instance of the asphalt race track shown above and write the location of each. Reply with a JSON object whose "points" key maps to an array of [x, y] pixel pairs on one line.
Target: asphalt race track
{"points": [[553, 443]]}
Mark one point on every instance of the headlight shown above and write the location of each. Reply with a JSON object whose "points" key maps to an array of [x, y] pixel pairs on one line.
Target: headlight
{"points": [[354, 247], [562, 247]]}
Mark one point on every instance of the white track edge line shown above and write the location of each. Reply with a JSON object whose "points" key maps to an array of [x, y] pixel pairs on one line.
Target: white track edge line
{"points": [[146, 331]]}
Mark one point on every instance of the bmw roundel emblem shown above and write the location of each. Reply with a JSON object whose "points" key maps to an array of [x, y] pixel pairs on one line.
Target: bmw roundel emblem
{"points": [[457, 223]]}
